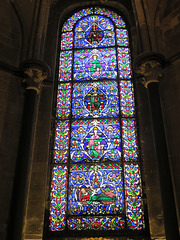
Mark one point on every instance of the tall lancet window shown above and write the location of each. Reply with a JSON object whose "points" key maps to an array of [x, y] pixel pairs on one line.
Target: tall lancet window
{"points": [[96, 178]]}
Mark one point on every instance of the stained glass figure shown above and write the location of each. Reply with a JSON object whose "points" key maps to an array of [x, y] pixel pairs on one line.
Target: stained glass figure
{"points": [[95, 190], [122, 37], [65, 66], [127, 99], [95, 99], [58, 198], [69, 24], [63, 100], [95, 64], [93, 140], [94, 31], [124, 63], [61, 142], [130, 148], [134, 209], [67, 41]]}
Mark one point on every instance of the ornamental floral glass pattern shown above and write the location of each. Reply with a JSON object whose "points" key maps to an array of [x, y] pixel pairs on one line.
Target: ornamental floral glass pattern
{"points": [[133, 193], [58, 198], [61, 142], [122, 37], [63, 100], [96, 178], [67, 41], [96, 223], [127, 99], [65, 64], [124, 63]]}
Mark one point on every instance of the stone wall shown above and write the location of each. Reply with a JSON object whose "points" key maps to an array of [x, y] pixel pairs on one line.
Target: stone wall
{"points": [[155, 26]]}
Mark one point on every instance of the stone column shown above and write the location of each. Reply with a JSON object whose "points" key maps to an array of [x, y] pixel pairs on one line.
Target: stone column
{"points": [[149, 67], [35, 73]]}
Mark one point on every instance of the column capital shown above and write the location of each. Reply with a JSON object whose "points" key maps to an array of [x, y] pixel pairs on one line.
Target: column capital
{"points": [[35, 72], [149, 67]]}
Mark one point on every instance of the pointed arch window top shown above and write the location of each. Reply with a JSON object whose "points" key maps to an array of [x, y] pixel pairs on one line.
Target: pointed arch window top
{"points": [[69, 24], [114, 16]]}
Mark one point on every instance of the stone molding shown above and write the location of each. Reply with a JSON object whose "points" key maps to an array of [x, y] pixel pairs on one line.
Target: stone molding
{"points": [[149, 67], [35, 72]]}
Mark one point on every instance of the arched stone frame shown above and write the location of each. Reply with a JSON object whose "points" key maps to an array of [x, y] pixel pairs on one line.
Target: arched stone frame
{"points": [[111, 233], [35, 214]]}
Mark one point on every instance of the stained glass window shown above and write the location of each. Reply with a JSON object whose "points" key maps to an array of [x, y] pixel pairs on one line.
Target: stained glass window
{"points": [[96, 178]]}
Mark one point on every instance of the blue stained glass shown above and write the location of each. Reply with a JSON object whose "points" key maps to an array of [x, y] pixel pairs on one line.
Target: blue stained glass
{"points": [[127, 98], [67, 40], [94, 31], [69, 24], [129, 139], [124, 63], [96, 190], [95, 140], [95, 64], [122, 37], [97, 99], [114, 16]]}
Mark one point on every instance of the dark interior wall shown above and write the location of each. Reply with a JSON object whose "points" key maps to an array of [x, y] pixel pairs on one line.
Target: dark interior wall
{"points": [[15, 26], [159, 31], [170, 106], [36, 204], [10, 34], [150, 166], [167, 31], [11, 103], [167, 28], [154, 27]]}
